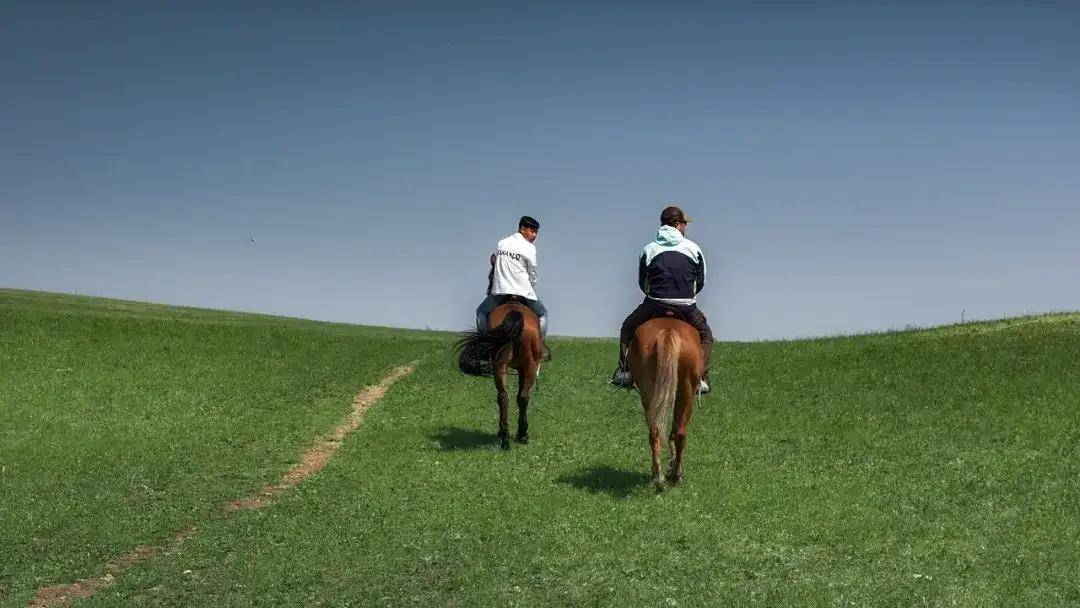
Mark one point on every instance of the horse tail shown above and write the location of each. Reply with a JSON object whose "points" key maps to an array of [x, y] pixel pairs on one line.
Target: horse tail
{"points": [[477, 351], [667, 378]]}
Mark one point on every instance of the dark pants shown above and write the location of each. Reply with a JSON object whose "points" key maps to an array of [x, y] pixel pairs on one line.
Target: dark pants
{"points": [[650, 309]]}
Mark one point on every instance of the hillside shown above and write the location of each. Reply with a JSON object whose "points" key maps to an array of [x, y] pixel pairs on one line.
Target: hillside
{"points": [[932, 467]]}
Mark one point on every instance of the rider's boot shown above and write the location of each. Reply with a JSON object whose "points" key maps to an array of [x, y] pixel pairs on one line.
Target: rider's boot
{"points": [[621, 378], [703, 386]]}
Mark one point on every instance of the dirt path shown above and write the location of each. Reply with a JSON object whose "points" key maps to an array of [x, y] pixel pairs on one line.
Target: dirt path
{"points": [[312, 460]]}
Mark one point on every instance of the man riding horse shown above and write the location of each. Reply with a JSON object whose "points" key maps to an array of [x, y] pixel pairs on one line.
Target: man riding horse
{"points": [[513, 274], [671, 272]]}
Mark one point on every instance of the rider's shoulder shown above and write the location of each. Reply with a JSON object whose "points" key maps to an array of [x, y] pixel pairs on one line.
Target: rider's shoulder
{"points": [[691, 245], [515, 242], [525, 244]]}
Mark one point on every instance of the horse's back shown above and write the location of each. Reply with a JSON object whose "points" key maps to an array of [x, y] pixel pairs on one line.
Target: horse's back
{"points": [[498, 315], [645, 342], [530, 330]]}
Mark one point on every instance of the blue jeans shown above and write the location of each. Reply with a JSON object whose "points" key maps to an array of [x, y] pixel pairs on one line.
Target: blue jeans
{"points": [[491, 302]]}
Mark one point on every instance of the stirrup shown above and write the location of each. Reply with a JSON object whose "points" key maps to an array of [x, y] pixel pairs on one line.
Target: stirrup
{"points": [[621, 378]]}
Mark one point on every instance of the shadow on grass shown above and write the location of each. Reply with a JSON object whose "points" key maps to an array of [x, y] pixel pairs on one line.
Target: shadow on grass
{"points": [[607, 480], [457, 438]]}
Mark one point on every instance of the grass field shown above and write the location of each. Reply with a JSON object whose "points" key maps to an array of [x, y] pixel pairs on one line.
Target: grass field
{"points": [[922, 468]]}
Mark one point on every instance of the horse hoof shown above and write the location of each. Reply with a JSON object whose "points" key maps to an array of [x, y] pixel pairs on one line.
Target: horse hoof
{"points": [[506, 444], [674, 477], [658, 483], [523, 439]]}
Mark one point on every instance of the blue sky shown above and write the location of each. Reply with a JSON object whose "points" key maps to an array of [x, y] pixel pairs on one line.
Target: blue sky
{"points": [[849, 167]]}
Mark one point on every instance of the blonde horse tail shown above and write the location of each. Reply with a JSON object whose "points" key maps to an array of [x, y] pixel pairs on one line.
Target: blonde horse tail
{"points": [[667, 379]]}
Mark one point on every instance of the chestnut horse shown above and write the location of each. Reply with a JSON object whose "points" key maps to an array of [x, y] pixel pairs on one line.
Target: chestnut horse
{"points": [[512, 340], [666, 363]]}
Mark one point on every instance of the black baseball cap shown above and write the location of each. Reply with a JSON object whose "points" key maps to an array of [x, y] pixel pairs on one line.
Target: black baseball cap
{"points": [[673, 215], [528, 222]]}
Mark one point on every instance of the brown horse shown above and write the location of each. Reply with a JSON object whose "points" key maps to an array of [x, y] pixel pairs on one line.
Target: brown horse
{"points": [[513, 340], [666, 363]]}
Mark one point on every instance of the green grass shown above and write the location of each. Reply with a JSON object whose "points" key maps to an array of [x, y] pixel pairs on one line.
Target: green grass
{"points": [[917, 468], [121, 422]]}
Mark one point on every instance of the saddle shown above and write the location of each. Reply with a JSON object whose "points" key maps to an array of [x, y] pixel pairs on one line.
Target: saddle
{"points": [[513, 300], [667, 311]]}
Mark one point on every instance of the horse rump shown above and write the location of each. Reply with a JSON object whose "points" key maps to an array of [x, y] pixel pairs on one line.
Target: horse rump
{"points": [[477, 351]]}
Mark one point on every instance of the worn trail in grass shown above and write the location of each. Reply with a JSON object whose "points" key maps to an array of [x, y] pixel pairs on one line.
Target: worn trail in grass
{"points": [[123, 423], [928, 468]]}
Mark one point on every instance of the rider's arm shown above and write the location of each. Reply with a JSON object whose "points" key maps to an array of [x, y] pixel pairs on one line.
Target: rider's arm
{"points": [[530, 265], [700, 279], [642, 275]]}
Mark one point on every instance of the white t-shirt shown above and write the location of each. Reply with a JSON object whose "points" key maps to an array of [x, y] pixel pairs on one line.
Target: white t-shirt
{"points": [[515, 267]]}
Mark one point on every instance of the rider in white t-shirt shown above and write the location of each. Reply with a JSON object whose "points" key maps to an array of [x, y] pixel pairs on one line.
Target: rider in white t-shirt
{"points": [[513, 273]]}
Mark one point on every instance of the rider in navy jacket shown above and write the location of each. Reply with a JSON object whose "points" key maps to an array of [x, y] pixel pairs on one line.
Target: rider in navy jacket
{"points": [[671, 272]]}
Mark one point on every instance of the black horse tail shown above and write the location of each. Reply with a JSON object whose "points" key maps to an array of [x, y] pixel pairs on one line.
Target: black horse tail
{"points": [[477, 351]]}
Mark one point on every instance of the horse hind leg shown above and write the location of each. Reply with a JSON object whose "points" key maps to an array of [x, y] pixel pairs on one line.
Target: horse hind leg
{"points": [[655, 447], [655, 444], [674, 473], [525, 387], [680, 422], [504, 405], [671, 455]]}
